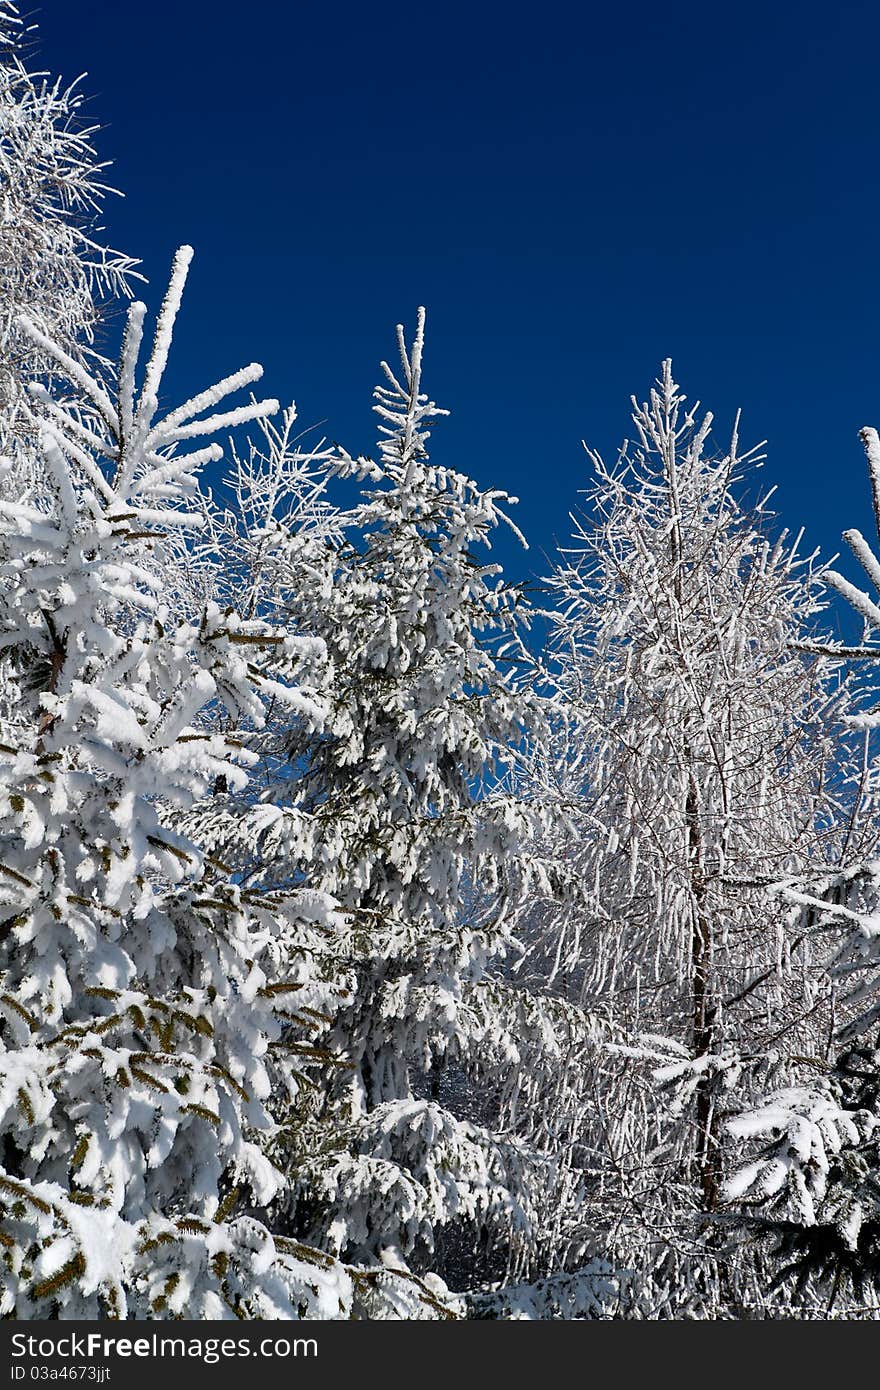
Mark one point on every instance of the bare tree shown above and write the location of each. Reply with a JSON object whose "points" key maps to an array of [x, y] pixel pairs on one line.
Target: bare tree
{"points": [[691, 772]]}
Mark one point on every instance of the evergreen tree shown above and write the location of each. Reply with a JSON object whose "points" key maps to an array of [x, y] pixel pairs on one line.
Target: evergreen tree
{"points": [[397, 808], [143, 990]]}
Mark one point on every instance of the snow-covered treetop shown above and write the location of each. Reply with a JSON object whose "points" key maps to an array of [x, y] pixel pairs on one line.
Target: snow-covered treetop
{"points": [[53, 267]]}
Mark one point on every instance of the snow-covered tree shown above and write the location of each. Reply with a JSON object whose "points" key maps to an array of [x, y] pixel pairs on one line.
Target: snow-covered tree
{"points": [[144, 992], [53, 266], [397, 809], [689, 775]]}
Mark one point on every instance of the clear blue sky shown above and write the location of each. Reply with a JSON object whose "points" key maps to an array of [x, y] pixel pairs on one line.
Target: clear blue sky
{"points": [[574, 191]]}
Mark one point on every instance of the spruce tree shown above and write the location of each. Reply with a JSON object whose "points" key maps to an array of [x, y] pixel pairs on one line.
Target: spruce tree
{"points": [[144, 992], [399, 809]]}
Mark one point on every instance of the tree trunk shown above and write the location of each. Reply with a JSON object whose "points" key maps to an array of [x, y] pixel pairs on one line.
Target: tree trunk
{"points": [[702, 1009]]}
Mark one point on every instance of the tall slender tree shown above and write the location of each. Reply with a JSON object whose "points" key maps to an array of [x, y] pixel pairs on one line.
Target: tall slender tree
{"points": [[398, 808], [690, 775]]}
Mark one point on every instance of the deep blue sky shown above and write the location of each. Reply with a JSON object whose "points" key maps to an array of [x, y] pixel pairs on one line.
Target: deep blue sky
{"points": [[574, 191]]}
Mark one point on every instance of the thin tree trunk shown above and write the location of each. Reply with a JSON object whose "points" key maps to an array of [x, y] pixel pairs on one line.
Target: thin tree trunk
{"points": [[703, 1013]]}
